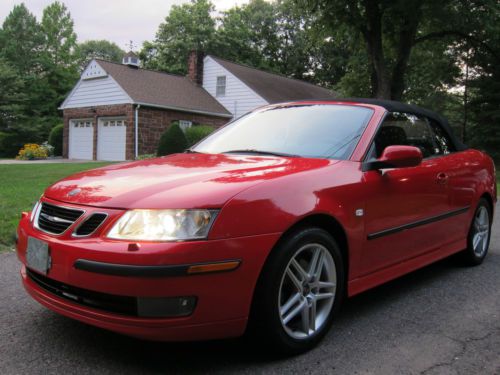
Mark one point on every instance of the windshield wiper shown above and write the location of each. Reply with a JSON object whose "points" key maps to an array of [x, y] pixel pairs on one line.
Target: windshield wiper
{"points": [[191, 151], [260, 152]]}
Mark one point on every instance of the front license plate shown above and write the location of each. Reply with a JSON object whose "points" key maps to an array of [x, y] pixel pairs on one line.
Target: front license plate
{"points": [[37, 255]]}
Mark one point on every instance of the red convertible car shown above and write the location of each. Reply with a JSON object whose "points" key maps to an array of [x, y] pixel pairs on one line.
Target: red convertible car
{"points": [[265, 225]]}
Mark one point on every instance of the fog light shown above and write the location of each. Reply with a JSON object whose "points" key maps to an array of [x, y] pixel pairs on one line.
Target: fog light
{"points": [[165, 307]]}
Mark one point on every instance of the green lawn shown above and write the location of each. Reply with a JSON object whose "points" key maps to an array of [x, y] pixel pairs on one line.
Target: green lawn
{"points": [[22, 185]]}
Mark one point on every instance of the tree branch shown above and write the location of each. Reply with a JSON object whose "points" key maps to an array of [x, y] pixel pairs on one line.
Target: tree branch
{"points": [[462, 35]]}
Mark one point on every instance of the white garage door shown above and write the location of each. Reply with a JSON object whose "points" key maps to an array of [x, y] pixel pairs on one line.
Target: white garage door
{"points": [[81, 139], [111, 139]]}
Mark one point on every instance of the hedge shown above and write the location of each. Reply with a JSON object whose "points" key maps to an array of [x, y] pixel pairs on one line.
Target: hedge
{"points": [[56, 139], [196, 133], [172, 141]]}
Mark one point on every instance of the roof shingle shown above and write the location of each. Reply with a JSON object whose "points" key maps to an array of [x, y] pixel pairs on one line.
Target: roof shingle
{"points": [[163, 89], [275, 88]]}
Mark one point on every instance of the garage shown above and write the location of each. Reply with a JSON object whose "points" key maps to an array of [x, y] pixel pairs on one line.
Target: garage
{"points": [[81, 136], [111, 139]]}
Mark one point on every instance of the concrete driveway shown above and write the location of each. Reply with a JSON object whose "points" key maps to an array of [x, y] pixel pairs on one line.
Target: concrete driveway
{"points": [[443, 319]]}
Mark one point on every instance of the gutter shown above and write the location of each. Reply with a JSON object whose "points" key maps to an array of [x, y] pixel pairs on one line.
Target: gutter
{"points": [[136, 125], [184, 110]]}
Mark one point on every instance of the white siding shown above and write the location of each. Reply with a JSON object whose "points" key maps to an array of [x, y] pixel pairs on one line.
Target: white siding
{"points": [[239, 98], [96, 91]]}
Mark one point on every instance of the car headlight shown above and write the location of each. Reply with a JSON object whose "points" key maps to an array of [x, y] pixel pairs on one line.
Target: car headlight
{"points": [[163, 225], [34, 211]]}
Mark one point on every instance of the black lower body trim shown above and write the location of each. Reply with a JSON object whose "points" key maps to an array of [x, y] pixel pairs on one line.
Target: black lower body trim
{"points": [[125, 305], [418, 223], [143, 271]]}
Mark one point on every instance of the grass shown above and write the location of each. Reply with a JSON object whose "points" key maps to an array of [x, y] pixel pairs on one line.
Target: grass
{"points": [[22, 185]]}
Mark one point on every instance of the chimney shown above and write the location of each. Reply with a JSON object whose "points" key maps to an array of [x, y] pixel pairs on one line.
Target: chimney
{"points": [[195, 67]]}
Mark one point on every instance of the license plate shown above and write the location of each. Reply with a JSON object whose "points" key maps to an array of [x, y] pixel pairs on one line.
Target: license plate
{"points": [[37, 255]]}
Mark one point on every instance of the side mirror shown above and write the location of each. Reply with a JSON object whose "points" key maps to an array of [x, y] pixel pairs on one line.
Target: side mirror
{"points": [[396, 157]]}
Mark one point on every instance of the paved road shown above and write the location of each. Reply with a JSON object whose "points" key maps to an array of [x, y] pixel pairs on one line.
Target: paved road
{"points": [[443, 319]]}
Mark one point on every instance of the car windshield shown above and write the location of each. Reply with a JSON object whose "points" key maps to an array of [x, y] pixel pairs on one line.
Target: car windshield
{"points": [[313, 131]]}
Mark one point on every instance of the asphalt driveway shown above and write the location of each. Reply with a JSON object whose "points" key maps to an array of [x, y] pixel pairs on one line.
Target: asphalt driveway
{"points": [[443, 319]]}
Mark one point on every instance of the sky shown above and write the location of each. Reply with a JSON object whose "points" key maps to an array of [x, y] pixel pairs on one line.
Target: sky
{"points": [[118, 21]]}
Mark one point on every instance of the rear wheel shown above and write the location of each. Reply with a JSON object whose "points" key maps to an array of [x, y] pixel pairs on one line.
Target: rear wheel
{"points": [[301, 287], [478, 239]]}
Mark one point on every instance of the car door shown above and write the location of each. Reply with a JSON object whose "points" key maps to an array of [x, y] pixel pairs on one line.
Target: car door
{"points": [[401, 204]]}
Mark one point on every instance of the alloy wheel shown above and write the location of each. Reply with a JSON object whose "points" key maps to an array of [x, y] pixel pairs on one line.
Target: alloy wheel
{"points": [[307, 291], [481, 231]]}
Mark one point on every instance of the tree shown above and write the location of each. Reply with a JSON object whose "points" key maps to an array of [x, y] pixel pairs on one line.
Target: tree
{"points": [[12, 97], [21, 41], [248, 34], [21, 46], [187, 27], [59, 57], [99, 49], [391, 30]]}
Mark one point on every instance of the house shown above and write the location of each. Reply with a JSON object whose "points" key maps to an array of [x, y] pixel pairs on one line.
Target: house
{"points": [[119, 111]]}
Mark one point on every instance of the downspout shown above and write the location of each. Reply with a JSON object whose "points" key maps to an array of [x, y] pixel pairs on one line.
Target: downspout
{"points": [[136, 124]]}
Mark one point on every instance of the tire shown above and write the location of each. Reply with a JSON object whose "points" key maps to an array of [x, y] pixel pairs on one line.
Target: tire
{"points": [[478, 239], [285, 299]]}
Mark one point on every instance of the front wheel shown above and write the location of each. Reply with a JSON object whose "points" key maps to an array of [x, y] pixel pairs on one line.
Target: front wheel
{"points": [[301, 287]]}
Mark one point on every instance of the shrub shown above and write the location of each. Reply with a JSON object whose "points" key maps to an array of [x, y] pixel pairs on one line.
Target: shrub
{"points": [[196, 133], [10, 144], [172, 141], [48, 148], [56, 139], [32, 151], [146, 156]]}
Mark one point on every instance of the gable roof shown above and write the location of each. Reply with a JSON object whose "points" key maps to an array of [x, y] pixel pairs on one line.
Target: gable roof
{"points": [[274, 88], [148, 87]]}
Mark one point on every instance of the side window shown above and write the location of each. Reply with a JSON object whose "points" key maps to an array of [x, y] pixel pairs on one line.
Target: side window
{"points": [[408, 130], [441, 138], [220, 88]]}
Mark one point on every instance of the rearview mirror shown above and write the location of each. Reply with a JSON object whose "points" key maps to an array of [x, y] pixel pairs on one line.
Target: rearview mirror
{"points": [[396, 157]]}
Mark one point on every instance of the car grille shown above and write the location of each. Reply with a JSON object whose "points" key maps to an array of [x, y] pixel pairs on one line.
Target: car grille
{"points": [[90, 225], [56, 219], [102, 301]]}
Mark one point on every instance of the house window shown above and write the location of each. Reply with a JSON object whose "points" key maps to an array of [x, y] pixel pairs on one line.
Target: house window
{"points": [[220, 89], [184, 124]]}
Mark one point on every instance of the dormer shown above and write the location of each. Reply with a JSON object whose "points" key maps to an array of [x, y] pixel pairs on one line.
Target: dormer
{"points": [[131, 59]]}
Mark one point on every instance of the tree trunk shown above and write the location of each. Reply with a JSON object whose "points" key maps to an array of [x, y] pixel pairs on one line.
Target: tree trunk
{"points": [[372, 34]]}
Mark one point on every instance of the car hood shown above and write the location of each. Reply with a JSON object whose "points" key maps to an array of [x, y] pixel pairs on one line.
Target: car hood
{"points": [[176, 181]]}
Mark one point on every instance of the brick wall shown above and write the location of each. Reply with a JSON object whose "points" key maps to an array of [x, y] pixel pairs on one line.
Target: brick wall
{"points": [[152, 123]]}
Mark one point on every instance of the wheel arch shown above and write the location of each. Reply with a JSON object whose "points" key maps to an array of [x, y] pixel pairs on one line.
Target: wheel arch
{"points": [[486, 195], [329, 224]]}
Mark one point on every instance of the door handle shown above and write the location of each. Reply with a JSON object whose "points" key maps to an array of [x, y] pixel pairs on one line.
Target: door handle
{"points": [[442, 178]]}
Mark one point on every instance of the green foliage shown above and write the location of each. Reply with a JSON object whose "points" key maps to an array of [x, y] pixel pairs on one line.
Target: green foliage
{"points": [[59, 59], [37, 69], [10, 143], [172, 141], [146, 156], [99, 49], [187, 27], [56, 139], [196, 133]]}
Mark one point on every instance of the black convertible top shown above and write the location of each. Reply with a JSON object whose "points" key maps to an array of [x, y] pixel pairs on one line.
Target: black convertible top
{"points": [[393, 106]]}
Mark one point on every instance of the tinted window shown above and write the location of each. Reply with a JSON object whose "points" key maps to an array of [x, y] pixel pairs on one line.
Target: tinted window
{"points": [[407, 130], [318, 131], [441, 138]]}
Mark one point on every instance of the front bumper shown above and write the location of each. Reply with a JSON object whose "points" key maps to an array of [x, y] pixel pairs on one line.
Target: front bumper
{"points": [[223, 299]]}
